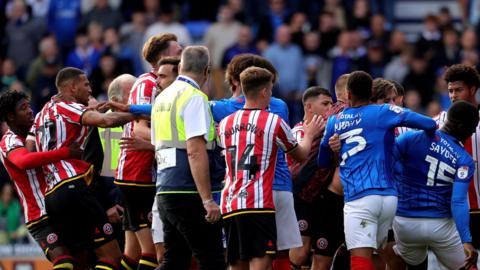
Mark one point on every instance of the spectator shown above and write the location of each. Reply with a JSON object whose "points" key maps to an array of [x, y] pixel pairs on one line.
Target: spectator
{"points": [[88, 5], [11, 228], [44, 87], [398, 68], [312, 59], [421, 77], [237, 8], [244, 45], [127, 59], [445, 20], [95, 36], [84, 56], [39, 7], [49, 55], [360, 18], [221, 35], [287, 59], [23, 33], [298, 26], [396, 43], [277, 15], [433, 108], [329, 32], [413, 101], [378, 33], [449, 53], [63, 19], [8, 73], [104, 15], [336, 8], [132, 33], [341, 58], [468, 42], [375, 61], [430, 41], [152, 7], [104, 74]]}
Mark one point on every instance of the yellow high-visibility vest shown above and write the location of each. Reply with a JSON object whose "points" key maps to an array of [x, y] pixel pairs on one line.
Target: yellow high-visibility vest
{"points": [[110, 138], [168, 125]]}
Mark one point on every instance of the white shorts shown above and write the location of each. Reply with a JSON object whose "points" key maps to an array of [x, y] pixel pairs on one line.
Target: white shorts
{"points": [[157, 225], [288, 233], [415, 235], [367, 221]]}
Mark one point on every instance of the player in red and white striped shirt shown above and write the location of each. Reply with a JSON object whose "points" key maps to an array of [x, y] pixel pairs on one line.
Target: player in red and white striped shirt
{"points": [[75, 213], [25, 171], [251, 138], [463, 82]]}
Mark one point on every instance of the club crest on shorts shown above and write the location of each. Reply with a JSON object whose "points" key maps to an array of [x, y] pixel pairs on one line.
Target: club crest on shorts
{"points": [[322, 243], [52, 238], [302, 225], [107, 229], [462, 172]]}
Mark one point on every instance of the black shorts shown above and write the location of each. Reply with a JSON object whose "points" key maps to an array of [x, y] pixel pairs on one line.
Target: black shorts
{"points": [[43, 233], [138, 202], [250, 236], [327, 223], [76, 215], [475, 228], [304, 219]]}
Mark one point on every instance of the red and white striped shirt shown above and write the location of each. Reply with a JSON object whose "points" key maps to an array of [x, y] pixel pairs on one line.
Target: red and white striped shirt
{"points": [[59, 124], [251, 139], [29, 184], [137, 167], [473, 148]]}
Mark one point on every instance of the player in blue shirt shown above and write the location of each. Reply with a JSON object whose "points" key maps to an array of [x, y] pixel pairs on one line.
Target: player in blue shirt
{"points": [[367, 136], [288, 233], [434, 173]]}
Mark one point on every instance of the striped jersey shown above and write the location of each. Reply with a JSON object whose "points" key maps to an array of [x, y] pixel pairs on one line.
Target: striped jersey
{"points": [[29, 184], [473, 148], [251, 138], [136, 167], [59, 124]]}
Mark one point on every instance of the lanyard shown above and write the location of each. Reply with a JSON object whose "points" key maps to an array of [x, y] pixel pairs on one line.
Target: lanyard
{"points": [[187, 80]]}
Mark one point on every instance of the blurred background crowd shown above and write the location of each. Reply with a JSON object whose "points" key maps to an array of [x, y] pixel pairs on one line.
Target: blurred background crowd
{"points": [[310, 42]]}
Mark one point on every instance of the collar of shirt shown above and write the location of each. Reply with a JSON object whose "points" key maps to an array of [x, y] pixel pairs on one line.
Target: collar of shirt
{"points": [[188, 80]]}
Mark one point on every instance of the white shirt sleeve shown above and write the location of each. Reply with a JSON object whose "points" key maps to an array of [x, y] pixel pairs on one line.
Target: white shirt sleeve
{"points": [[196, 117]]}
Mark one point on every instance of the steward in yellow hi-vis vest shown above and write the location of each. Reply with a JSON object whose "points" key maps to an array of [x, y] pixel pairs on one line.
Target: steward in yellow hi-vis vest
{"points": [[169, 137], [110, 138]]}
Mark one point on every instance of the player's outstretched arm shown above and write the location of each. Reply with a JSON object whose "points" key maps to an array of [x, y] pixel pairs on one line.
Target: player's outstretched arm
{"points": [[312, 130], [23, 159], [106, 120], [460, 210]]}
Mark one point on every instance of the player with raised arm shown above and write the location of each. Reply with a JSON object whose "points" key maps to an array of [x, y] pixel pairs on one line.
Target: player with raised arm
{"points": [[74, 212], [25, 170], [434, 173], [251, 138], [367, 135]]}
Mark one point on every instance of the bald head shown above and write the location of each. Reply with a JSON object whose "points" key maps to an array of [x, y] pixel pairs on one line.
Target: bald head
{"points": [[119, 88]]}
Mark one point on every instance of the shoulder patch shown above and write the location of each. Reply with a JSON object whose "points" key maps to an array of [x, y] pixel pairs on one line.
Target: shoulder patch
{"points": [[462, 172]]}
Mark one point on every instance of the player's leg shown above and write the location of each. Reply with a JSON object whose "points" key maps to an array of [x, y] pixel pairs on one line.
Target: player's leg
{"points": [[157, 232], [132, 251], [327, 228], [300, 255], [411, 241], [361, 227], [385, 220], [288, 233], [445, 243], [261, 263]]}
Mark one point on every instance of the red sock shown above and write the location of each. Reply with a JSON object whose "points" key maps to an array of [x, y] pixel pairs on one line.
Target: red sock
{"points": [[361, 263], [281, 264]]}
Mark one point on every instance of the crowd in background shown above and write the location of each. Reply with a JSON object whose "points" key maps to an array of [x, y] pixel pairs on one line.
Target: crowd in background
{"points": [[310, 42]]}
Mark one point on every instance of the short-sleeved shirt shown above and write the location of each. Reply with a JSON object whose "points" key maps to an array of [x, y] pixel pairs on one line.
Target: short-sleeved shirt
{"points": [[29, 184], [251, 139], [59, 124], [136, 167]]}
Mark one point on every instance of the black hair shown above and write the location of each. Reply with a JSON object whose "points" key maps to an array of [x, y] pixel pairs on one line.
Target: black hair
{"points": [[398, 87], [315, 91], [463, 73], [464, 113], [67, 74], [8, 102], [359, 84]]}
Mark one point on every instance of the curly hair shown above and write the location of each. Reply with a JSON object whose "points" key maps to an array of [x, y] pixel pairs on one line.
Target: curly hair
{"points": [[464, 73], [8, 102], [156, 45]]}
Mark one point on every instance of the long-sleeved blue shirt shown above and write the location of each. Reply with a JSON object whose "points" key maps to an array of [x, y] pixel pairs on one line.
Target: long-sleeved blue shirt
{"points": [[432, 176], [367, 136]]}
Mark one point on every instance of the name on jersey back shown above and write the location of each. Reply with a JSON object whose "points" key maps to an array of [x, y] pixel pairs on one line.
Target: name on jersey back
{"points": [[244, 127], [444, 149]]}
